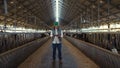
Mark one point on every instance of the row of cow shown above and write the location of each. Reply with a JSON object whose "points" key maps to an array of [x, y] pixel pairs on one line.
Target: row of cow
{"points": [[104, 40]]}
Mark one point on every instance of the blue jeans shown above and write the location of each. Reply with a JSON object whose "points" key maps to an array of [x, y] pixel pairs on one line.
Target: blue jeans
{"points": [[58, 47]]}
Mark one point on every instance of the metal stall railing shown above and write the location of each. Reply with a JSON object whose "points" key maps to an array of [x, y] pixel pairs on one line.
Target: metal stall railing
{"points": [[12, 40], [103, 57], [12, 58], [104, 40]]}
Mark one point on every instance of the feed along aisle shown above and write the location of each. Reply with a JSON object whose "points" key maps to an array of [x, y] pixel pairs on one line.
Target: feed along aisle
{"points": [[72, 58]]}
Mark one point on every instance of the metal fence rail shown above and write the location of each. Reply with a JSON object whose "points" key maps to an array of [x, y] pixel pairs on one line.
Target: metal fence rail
{"points": [[104, 58], [103, 39], [12, 58], [12, 40]]}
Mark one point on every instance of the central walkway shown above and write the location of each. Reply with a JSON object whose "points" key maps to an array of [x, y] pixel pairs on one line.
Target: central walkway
{"points": [[72, 58]]}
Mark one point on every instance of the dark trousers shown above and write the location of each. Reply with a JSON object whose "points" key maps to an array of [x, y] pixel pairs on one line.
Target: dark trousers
{"points": [[58, 47]]}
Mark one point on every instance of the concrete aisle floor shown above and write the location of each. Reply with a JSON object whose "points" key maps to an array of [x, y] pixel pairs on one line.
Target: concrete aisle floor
{"points": [[72, 58]]}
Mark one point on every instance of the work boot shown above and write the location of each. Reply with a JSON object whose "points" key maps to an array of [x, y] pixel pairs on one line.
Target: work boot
{"points": [[53, 61], [60, 61]]}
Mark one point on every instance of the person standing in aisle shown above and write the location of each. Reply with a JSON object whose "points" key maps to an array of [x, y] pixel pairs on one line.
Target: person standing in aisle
{"points": [[57, 35]]}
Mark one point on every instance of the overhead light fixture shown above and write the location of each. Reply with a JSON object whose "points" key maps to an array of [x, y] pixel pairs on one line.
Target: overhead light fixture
{"points": [[25, 11], [12, 2], [19, 7], [101, 1], [57, 11], [93, 6]]}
